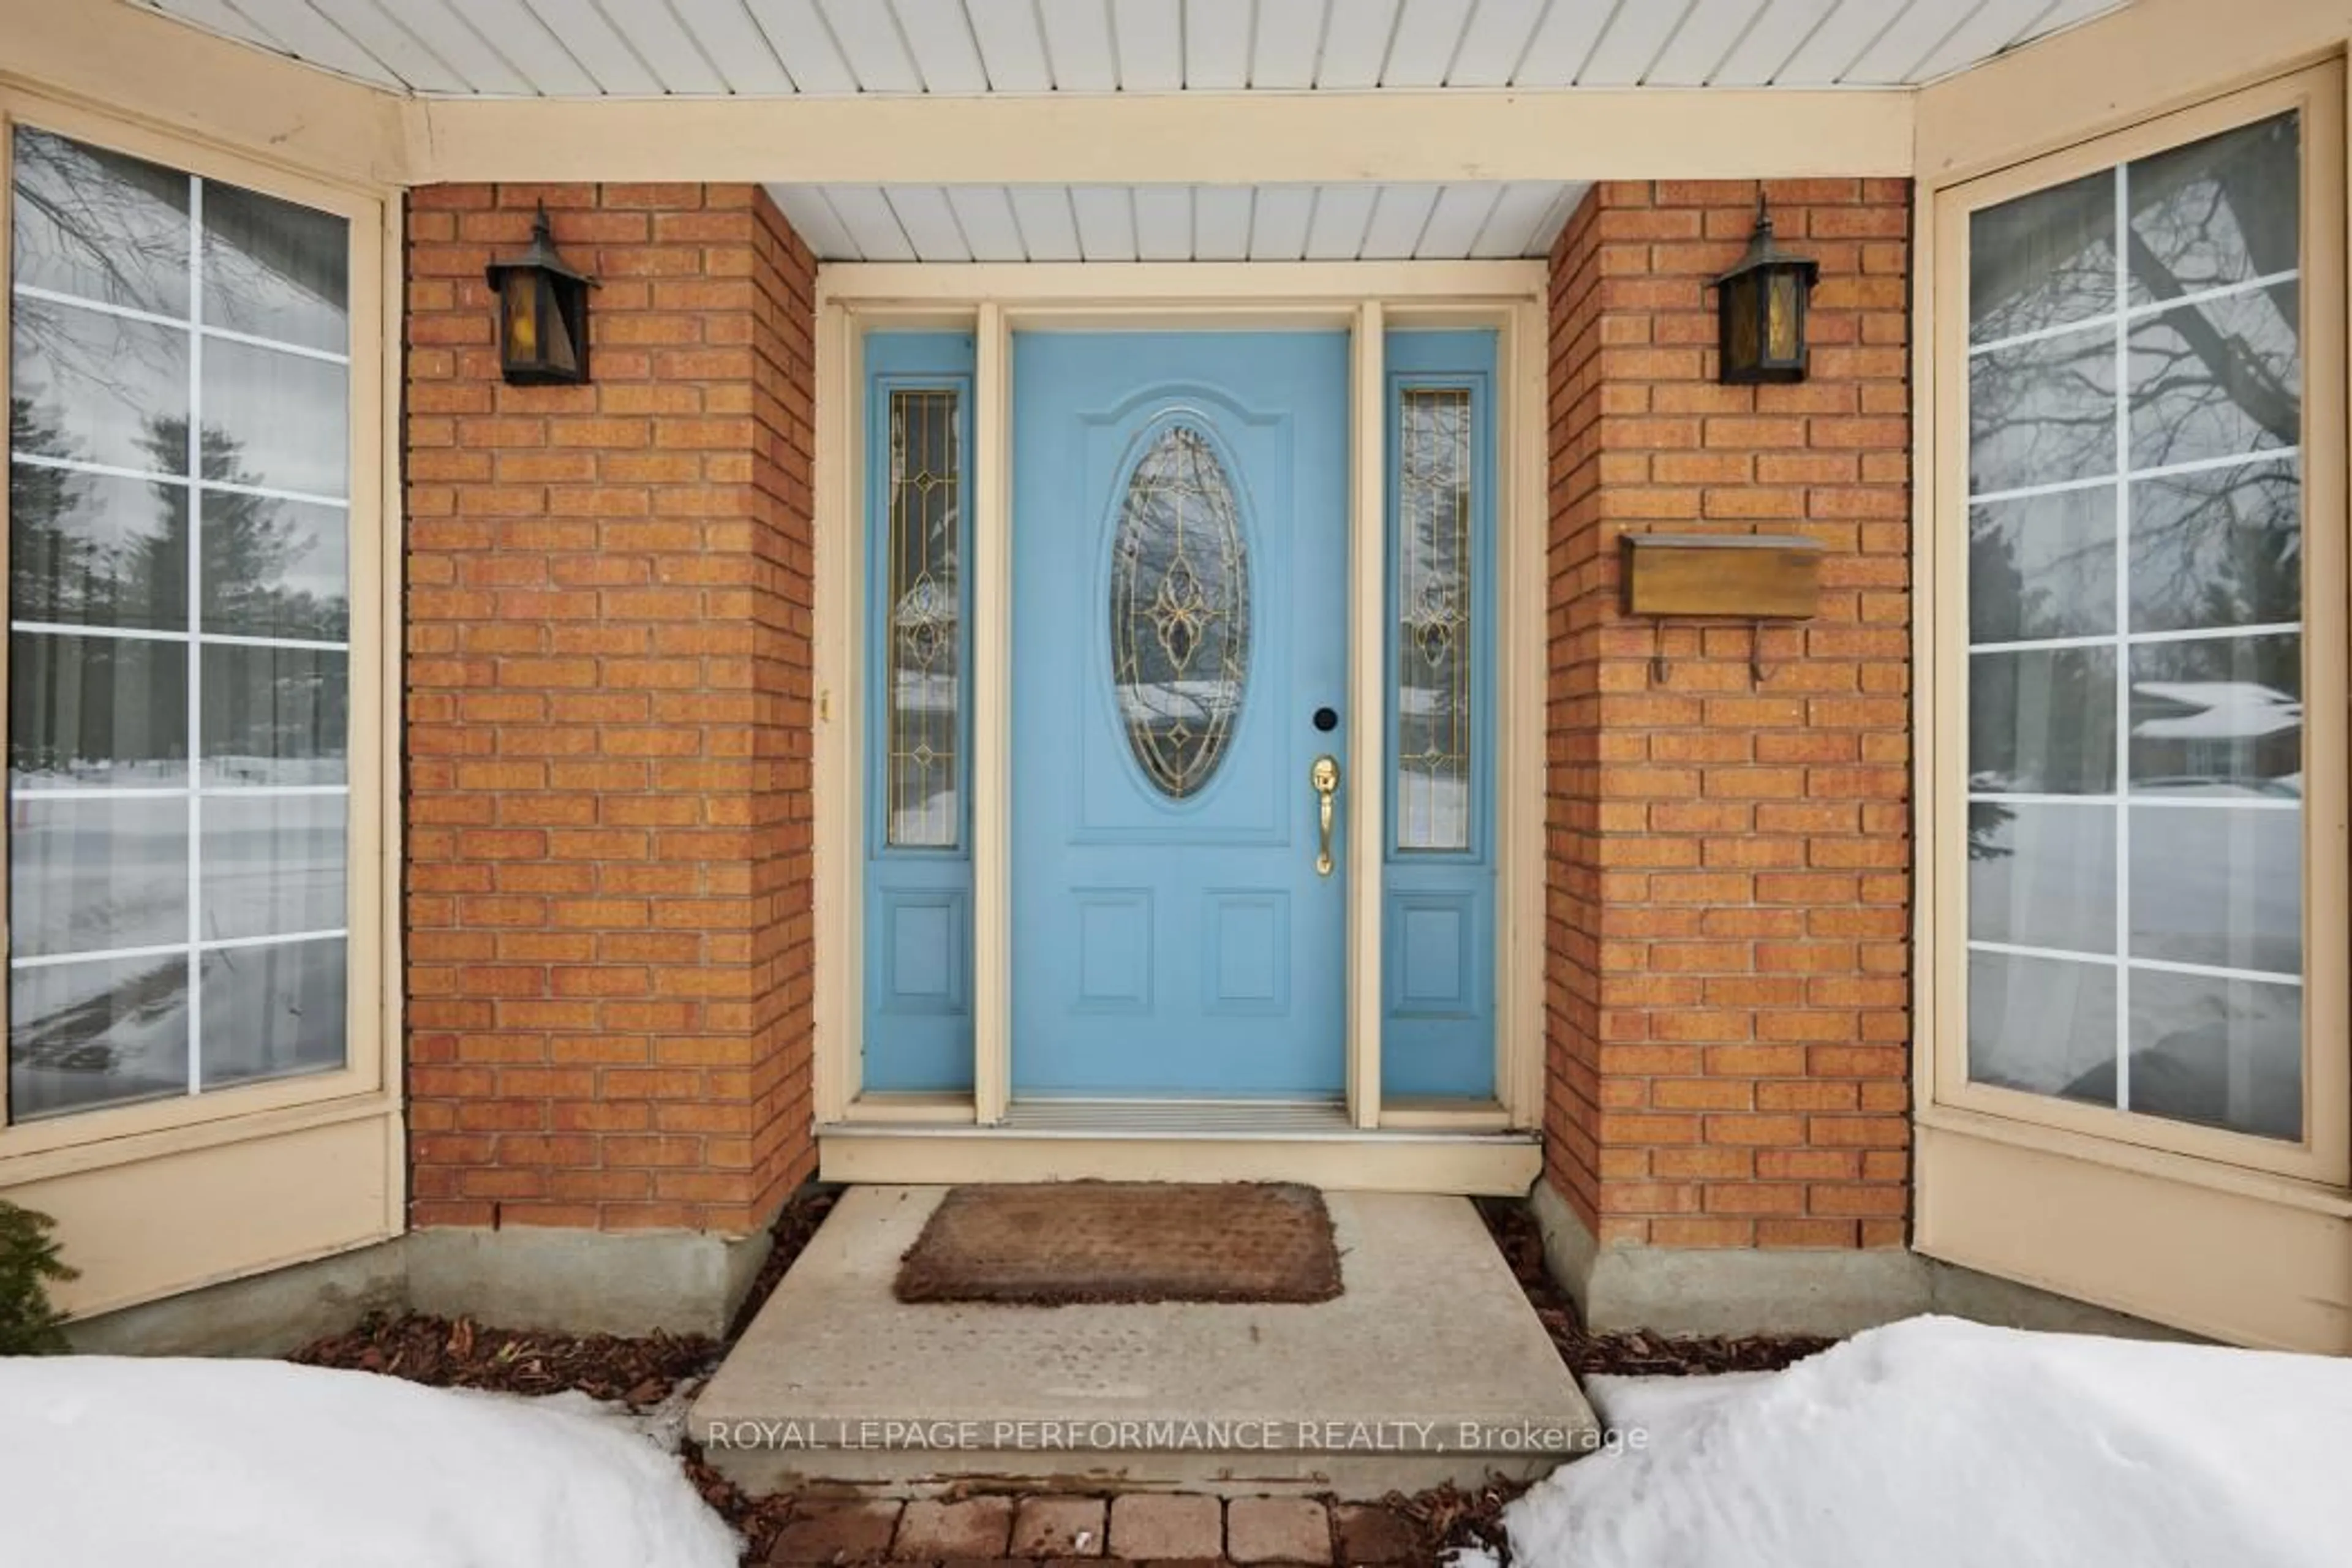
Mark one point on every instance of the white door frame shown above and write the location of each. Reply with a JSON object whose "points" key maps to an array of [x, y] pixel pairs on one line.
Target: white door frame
{"points": [[992, 301]]}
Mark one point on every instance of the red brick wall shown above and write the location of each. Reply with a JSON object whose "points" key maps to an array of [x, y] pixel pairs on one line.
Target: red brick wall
{"points": [[1728, 877], [609, 861]]}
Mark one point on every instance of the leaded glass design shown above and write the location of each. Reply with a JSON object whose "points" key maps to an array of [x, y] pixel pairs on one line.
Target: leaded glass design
{"points": [[925, 655], [1434, 630], [179, 500], [1179, 612], [2135, 752]]}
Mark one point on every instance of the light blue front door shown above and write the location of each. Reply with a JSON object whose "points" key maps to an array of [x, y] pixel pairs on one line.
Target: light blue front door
{"points": [[1179, 664]]}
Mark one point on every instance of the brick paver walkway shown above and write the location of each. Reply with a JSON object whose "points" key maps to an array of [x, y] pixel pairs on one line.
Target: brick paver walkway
{"points": [[1136, 1528]]}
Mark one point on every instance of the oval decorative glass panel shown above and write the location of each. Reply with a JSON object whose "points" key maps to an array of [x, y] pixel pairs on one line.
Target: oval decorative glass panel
{"points": [[1180, 611]]}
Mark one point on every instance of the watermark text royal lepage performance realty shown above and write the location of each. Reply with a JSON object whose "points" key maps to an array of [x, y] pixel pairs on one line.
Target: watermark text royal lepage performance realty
{"points": [[1274, 1436]]}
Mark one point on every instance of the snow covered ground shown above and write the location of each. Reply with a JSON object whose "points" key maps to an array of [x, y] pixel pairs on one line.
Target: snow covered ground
{"points": [[113, 1462], [1932, 1443], [1935, 1443]]}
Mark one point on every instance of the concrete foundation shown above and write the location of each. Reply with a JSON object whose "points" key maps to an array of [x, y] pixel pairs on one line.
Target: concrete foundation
{"points": [[682, 1282], [265, 1314], [1429, 1367], [1707, 1290], [566, 1280]]}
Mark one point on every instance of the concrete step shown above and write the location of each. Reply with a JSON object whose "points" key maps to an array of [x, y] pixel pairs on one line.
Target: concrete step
{"points": [[1429, 1368]]}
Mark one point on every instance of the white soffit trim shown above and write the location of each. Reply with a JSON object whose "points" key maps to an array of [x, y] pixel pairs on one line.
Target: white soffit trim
{"points": [[1489, 220], [635, 48]]}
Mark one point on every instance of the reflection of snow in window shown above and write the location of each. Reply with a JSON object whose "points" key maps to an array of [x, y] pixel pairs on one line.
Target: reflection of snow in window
{"points": [[180, 611]]}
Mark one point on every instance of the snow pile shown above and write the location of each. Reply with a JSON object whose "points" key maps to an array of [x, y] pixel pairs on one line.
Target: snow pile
{"points": [[1940, 1444], [114, 1462]]}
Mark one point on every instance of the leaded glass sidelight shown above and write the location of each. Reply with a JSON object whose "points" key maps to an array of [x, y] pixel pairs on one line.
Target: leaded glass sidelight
{"points": [[1434, 630], [2134, 729], [925, 653], [1180, 611]]}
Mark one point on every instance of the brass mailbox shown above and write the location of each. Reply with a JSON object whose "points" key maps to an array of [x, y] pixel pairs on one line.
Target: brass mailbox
{"points": [[1752, 576]]}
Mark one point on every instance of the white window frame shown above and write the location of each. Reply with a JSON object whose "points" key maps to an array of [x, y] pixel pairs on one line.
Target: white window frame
{"points": [[367, 1085]]}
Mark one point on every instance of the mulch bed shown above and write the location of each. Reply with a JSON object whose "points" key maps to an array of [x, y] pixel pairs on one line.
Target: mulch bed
{"points": [[794, 1224], [640, 1372], [1449, 1519], [1056, 1244], [1630, 1353], [457, 1353]]}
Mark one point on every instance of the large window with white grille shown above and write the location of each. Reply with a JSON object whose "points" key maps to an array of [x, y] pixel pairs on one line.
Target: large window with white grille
{"points": [[2145, 625], [179, 644]]}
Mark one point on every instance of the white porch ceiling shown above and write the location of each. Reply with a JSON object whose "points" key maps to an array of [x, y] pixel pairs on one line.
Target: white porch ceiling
{"points": [[588, 49], [1365, 221]]}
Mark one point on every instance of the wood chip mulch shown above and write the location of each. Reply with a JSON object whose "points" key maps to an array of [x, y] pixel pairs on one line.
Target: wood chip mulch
{"points": [[1630, 1353], [640, 1372], [795, 1224], [1450, 1520], [447, 1353]]}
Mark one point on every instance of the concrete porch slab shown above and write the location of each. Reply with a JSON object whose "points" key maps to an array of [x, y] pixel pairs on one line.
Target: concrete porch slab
{"points": [[1429, 1367]]}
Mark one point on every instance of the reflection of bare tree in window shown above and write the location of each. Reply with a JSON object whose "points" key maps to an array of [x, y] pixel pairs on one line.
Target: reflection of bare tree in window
{"points": [[2206, 379], [2215, 378], [2042, 260], [275, 270], [2215, 212], [2220, 547], [97, 378], [2042, 411], [100, 225]]}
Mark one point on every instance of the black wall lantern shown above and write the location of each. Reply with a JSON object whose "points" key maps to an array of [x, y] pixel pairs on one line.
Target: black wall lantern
{"points": [[1761, 310], [543, 313]]}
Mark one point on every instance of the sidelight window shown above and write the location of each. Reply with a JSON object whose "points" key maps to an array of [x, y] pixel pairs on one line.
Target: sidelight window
{"points": [[1434, 662], [925, 673]]}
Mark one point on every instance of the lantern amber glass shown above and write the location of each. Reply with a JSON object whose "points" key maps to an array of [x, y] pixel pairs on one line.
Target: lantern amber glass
{"points": [[1782, 312], [521, 301]]}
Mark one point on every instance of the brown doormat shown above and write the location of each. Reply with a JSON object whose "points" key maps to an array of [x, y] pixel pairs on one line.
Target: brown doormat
{"points": [[1062, 1243]]}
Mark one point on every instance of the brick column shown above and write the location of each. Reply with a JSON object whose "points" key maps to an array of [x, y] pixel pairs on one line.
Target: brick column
{"points": [[1728, 858], [609, 858]]}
